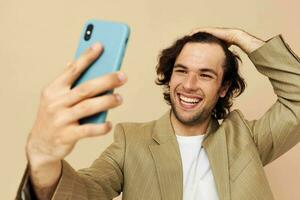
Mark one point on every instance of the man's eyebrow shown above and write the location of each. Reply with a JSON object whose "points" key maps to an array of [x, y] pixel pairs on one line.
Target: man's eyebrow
{"points": [[180, 66], [201, 70], [209, 70]]}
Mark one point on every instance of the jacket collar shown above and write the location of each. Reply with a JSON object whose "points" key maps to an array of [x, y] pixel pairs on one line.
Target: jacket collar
{"points": [[163, 129]]}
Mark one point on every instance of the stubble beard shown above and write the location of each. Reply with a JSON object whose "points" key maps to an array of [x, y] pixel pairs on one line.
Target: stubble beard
{"points": [[199, 117]]}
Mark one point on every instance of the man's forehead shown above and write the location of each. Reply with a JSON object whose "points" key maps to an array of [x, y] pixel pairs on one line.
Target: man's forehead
{"points": [[196, 54]]}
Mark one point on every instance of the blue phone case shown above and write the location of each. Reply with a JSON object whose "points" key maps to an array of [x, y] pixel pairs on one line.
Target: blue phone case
{"points": [[113, 36]]}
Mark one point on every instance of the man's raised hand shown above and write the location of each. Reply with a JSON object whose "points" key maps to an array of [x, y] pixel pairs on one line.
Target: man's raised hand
{"points": [[232, 36], [56, 128]]}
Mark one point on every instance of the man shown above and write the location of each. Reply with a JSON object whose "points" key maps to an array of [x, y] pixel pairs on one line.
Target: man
{"points": [[184, 154]]}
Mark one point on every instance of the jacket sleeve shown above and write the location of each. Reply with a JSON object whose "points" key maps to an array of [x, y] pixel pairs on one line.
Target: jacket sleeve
{"points": [[102, 180], [278, 130]]}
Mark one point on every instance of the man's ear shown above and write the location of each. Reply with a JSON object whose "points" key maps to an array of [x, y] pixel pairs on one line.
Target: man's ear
{"points": [[224, 88]]}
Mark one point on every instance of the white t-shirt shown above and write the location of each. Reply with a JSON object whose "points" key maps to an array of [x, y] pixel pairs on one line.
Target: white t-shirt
{"points": [[198, 180]]}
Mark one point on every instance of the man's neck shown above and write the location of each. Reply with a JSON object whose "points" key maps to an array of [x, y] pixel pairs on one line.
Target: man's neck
{"points": [[189, 130]]}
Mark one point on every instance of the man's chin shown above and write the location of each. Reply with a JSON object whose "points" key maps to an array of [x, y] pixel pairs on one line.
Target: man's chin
{"points": [[188, 119]]}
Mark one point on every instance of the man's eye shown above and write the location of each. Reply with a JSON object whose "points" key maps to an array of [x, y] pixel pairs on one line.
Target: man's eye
{"points": [[180, 71], [206, 76]]}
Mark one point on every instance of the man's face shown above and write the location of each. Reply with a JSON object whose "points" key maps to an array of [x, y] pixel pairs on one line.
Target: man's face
{"points": [[195, 84]]}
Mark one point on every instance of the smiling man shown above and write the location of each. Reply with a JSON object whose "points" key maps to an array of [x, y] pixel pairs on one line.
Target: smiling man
{"points": [[186, 154], [197, 80]]}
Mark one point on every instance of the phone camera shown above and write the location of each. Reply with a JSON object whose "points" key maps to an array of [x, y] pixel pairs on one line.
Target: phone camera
{"points": [[88, 32]]}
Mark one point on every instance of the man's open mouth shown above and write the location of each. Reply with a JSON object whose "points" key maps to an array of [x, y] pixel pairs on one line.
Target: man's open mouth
{"points": [[188, 101]]}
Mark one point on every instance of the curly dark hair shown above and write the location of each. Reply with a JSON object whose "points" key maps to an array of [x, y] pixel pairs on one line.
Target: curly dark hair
{"points": [[167, 58]]}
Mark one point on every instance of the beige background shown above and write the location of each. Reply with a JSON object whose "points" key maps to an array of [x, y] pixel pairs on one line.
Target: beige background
{"points": [[38, 37]]}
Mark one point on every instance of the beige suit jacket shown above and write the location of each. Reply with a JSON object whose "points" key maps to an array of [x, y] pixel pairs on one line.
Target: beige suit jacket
{"points": [[144, 160]]}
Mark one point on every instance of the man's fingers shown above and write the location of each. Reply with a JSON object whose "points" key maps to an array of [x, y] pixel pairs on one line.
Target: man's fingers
{"points": [[226, 34], [76, 68], [203, 29], [94, 105], [85, 131], [221, 33], [93, 88]]}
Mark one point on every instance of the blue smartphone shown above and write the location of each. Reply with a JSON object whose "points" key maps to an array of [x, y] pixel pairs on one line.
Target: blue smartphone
{"points": [[113, 36]]}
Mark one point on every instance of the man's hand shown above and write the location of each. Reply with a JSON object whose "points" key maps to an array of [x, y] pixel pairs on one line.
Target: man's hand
{"points": [[247, 42], [56, 129]]}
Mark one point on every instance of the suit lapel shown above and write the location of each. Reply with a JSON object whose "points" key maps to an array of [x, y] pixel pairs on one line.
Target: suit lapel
{"points": [[166, 155], [216, 149]]}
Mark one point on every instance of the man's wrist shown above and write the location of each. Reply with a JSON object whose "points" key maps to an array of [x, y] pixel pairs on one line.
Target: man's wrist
{"points": [[247, 42], [44, 179]]}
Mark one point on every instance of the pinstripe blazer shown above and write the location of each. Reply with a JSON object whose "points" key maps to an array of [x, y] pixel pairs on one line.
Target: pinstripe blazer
{"points": [[144, 160]]}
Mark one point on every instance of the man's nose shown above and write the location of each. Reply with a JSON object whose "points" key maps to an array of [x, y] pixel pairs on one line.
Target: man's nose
{"points": [[190, 82]]}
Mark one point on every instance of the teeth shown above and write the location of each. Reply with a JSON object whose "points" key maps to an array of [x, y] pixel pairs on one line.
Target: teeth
{"points": [[189, 100]]}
